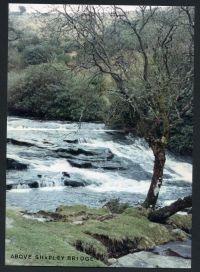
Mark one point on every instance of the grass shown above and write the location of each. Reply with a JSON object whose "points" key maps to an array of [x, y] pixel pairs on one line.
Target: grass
{"points": [[98, 236]]}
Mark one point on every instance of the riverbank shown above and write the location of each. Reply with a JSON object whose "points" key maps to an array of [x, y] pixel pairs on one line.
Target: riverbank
{"points": [[82, 236]]}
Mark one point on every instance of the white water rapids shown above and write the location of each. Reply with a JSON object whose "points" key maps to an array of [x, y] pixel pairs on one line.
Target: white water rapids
{"points": [[102, 184]]}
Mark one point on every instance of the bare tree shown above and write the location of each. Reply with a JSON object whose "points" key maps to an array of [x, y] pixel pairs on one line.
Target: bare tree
{"points": [[151, 76]]}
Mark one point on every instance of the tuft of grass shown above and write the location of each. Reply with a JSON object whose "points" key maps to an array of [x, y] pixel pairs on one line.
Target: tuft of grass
{"points": [[115, 206]]}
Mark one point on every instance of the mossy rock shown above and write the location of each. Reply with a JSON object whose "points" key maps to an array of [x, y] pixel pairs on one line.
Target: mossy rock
{"points": [[183, 222]]}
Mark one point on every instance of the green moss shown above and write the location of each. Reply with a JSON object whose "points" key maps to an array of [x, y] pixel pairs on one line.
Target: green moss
{"points": [[98, 234]]}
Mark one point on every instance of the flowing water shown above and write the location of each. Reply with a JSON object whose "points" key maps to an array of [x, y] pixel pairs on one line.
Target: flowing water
{"points": [[130, 183]]}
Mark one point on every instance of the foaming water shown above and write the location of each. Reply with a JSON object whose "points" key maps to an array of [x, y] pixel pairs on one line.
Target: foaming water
{"points": [[140, 153], [57, 166], [181, 169], [46, 170]]}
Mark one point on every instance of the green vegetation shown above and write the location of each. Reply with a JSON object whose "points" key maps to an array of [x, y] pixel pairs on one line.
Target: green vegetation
{"points": [[82, 231], [55, 75], [48, 91]]}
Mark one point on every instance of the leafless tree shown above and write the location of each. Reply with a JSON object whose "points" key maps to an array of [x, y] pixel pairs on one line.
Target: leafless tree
{"points": [[151, 76]]}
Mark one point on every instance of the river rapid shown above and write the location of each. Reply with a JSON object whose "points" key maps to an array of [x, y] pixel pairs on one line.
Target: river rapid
{"points": [[125, 175]]}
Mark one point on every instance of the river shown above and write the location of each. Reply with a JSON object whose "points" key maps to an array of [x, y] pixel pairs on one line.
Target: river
{"points": [[126, 175]]}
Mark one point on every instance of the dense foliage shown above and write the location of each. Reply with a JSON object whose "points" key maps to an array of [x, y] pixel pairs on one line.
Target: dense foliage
{"points": [[123, 70]]}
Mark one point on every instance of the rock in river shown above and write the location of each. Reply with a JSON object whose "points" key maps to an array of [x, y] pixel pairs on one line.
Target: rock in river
{"points": [[15, 165], [73, 183], [33, 184], [98, 153]]}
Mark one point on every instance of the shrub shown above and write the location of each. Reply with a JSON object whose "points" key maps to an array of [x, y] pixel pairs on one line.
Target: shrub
{"points": [[50, 92], [35, 55]]}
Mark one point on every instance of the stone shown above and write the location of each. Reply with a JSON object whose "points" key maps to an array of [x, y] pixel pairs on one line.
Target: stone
{"points": [[80, 164], [9, 186], [73, 183], [145, 259], [100, 153], [65, 174], [71, 141], [33, 184], [179, 248], [20, 143], [15, 165], [111, 261]]}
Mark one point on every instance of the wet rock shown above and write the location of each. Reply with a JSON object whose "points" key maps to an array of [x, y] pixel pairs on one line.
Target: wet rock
{"points": [[65, 174], [145, 259], [19, 143], [112, 167], [9, 186], [15, 165], [106, 165], [46, 142], [80, 164], [99, 153], [178, 248], [33, 184], [71, 141], [73, 183]]}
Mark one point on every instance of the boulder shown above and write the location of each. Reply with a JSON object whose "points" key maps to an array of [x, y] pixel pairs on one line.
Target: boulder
{"points": [[71, 141], [19, 143], [65, 174], [80, 164], [33, 184], [9, 186], [73, 183], [15, 165], [145, 259], [106, 165], [98, 153], [179, 249]]}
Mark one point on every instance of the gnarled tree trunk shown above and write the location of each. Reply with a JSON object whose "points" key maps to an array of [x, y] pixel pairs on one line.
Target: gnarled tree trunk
{"points": [[159, 153], [162, 214]]}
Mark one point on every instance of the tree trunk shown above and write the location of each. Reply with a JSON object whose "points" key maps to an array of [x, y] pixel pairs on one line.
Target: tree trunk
{"points": [[162, 214], [156, 181]]}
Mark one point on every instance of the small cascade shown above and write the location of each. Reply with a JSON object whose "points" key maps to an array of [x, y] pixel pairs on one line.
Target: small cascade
{"points": [[50, 183], [21, 186]]}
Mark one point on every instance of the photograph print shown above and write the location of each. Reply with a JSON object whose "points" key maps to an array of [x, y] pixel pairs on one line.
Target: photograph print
{"points": [[99, 135]]}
